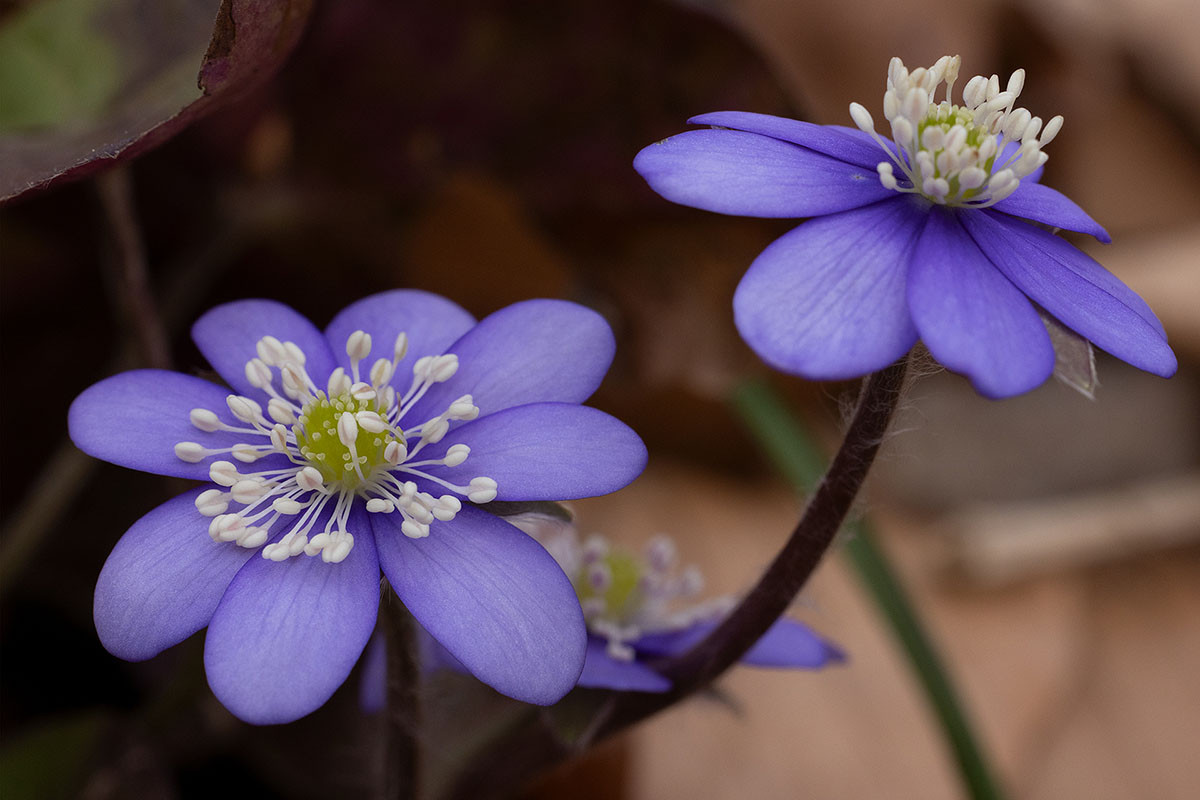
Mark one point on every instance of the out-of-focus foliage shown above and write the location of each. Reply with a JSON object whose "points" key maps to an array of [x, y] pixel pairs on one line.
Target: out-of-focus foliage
{"points": [[56, 67], [86, 82], [46, 763]]}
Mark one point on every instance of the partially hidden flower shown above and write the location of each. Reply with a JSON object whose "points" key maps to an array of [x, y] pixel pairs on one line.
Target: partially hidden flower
{"points": [[941, 233], [643, 606], [375, 444]]}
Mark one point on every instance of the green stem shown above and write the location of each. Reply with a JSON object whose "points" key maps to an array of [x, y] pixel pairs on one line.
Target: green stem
{"points": [[796, 456]]}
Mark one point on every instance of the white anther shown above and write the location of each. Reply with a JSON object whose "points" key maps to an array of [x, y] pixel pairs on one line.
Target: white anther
{"points": [[224, 473], [205, 420], [435, 430], [1016, 82], [214, 527], [258, 374], [456, 455], [347, 429], [244, 408], [482, 490], [309, 479], [293, 380], [1032, 129], [447, 507], [362, 391], [252, 538], [891, 105], [463, 408], [248, 490], [271, 351], [940, 188], [902, 131], [394, 452], [862, 118], [914, 105], [933, 138], [212, 502], [294, 353], [400, 348], [337, 383], [279, 439], [442, 368], [1000, 179], [595, 547], [413, 529], [1051, 130], [381, 372], [281, 412], [370, 422], [975, 92], [886, 177], [599, 577], [971, 178], [660, 553], [993, 87], [290, 545], [333, 547], [286, 505], [246, 453], [1014, 126], [230, 527], [358, 346], [377, 505], [190, 452]]}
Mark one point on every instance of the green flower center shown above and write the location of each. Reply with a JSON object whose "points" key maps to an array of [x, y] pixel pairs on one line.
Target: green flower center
{"points": [[620, 596], [316, 432]]}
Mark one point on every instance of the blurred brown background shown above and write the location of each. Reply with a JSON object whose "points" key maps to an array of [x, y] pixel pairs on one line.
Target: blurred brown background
{"points": [[483, 152]]}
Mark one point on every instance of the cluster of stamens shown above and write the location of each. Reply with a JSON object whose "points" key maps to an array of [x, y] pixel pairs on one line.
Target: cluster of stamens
{"points": [[626, 595], [344, 441], [970, 155]]}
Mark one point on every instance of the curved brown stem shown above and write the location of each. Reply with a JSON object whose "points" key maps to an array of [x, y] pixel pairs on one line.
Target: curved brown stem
{"points": [[514, 760]]}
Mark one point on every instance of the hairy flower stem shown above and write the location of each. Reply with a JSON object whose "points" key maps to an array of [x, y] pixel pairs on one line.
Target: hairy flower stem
{"points": [[799, 459], [509, 763], [400, 762], [794, 564]]}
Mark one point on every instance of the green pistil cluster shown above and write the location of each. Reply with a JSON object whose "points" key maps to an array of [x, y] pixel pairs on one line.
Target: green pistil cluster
{"points": [[619, 591], [316, 434], [947, 116]]}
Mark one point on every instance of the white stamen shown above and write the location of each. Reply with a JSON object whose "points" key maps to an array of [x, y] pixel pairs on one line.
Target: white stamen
{"points": [[947, 152], [205, 420], [223, 473], [456, 455], [258, 374], [190, 452], [244, 409], [281, 411], [212, 502], [358, 345], [271, 351], [482, 490], [370, 422], [381, 372]]}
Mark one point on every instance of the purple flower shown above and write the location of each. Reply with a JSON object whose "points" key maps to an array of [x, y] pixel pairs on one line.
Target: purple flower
{"points": [[939, 233], [368, 468], [641, 607]]}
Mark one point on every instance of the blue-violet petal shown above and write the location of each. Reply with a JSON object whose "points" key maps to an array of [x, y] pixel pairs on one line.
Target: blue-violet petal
{"points": [[826, 300]]}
